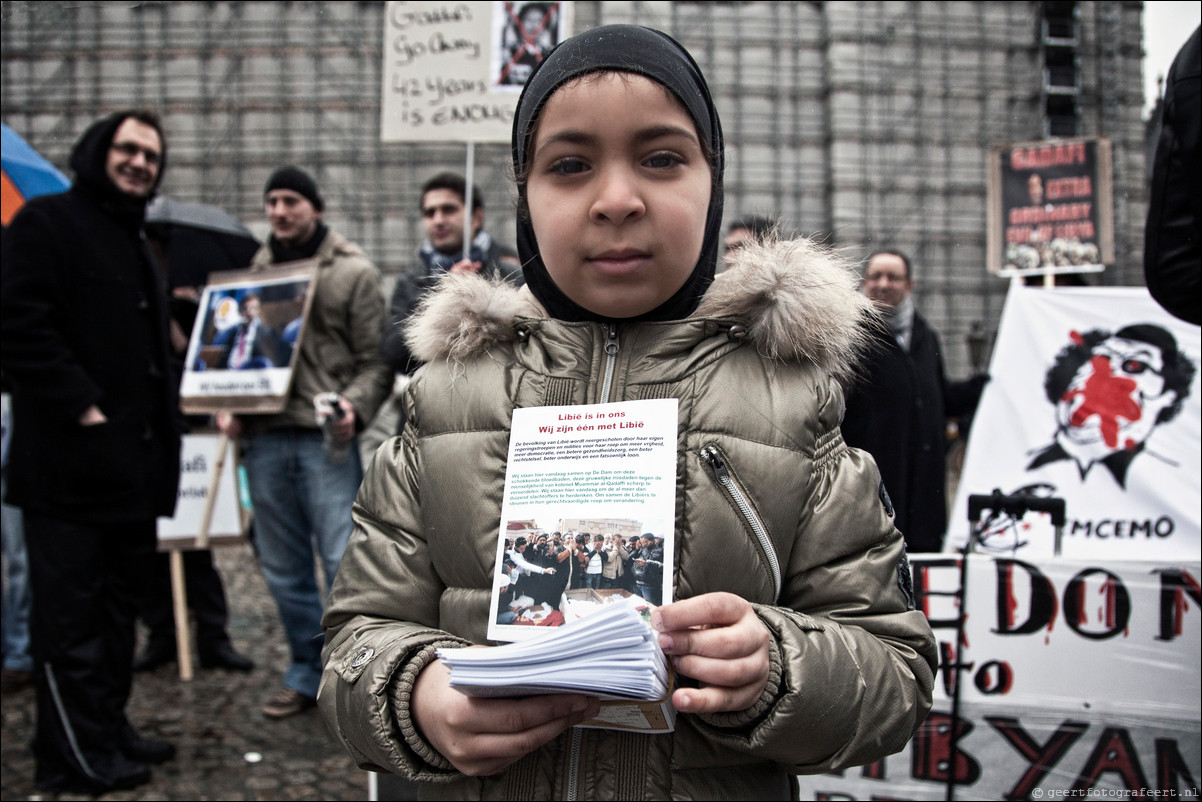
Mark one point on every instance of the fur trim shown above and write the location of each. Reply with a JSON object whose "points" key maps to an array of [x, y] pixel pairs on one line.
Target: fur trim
{"points": [[801, 300], [798, 299], [464, 315]]}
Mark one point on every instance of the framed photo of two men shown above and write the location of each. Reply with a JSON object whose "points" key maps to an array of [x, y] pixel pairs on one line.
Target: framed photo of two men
{"points": [[246, 339]]}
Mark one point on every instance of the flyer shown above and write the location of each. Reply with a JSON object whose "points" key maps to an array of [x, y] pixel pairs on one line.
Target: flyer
{"points": [[582, 482]]}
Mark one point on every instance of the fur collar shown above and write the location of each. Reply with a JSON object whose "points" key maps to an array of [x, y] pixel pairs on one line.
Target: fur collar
{"points": [[798, 300]]}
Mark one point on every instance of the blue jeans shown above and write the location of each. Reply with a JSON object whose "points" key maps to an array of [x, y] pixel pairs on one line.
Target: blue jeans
{"points": [[302, 505], [17, 598], [592, 581]]}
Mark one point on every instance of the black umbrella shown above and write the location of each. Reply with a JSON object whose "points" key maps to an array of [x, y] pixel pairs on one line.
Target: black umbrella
{"points": [[196, 239], [193, 240]]}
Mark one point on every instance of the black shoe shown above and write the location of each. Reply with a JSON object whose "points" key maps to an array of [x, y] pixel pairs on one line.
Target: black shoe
{"points": [[121, 776], [155, 655], [144, 750], [224, 656]]}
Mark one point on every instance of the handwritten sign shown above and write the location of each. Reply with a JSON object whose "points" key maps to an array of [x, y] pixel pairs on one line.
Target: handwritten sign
{"points": [[453, 71]]}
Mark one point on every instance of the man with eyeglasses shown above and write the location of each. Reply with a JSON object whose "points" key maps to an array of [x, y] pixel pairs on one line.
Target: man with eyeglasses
{"points": [[95, 454], [899, 409]]}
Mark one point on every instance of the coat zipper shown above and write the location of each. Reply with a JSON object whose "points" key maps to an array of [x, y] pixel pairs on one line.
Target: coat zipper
{"points": [[607, 382], [713, 457], [574, 767], [611, 362]]}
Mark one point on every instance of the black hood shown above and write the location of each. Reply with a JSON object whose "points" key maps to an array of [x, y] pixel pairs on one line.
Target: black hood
{"points": [[654, 55], [89, 158]]}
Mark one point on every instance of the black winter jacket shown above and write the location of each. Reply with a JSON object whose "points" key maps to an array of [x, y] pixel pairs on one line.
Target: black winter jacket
{"points": [[1173, 238], [85, 322]]}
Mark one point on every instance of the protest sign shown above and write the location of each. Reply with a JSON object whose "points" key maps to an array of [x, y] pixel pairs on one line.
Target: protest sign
{"points": [[1050, 207], [1093, 398], [1074, 679], [453, 72], [247, 338]]}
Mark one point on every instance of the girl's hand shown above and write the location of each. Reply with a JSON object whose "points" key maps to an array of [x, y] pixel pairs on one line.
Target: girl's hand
{"points": [[482, 736], [718, 640]]}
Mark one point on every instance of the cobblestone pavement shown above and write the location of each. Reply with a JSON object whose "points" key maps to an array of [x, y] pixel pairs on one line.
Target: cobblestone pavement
{"points": [[227, 748]]}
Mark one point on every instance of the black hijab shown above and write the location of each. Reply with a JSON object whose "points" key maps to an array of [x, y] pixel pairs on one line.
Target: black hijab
{"points": [[654, 55]]}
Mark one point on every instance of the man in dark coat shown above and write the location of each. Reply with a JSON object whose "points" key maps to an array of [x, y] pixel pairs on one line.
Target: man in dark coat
{"points": [[443, 204], [96, 453], [898, 411]]}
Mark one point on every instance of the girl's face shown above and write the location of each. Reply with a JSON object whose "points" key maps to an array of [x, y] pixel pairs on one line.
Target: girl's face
{"points": [[618, 190]]}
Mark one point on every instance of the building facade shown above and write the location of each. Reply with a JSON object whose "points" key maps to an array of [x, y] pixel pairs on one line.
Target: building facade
{"points": [[867, 124]]}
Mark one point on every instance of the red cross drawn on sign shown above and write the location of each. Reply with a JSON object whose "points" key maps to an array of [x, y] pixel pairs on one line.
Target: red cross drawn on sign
{"points": [[529, 38]]}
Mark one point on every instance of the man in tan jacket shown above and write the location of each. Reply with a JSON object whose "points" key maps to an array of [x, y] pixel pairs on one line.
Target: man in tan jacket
{"points": [[301, 484]]}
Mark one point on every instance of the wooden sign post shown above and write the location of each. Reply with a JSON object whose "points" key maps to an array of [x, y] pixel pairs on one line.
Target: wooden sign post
{"points": [[207, 513]]}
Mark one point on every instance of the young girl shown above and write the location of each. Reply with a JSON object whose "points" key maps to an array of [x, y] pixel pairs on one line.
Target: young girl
{"points": [[793, 631]]}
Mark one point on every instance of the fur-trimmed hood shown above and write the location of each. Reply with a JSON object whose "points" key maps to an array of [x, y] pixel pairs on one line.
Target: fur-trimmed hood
{"points": [[797, 299]]}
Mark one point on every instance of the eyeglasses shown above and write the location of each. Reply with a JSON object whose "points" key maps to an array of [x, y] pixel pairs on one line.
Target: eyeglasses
{"points": [[130, 149]]}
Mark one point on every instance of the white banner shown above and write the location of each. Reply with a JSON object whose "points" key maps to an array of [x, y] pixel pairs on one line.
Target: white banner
{"points": [[1032, 753], [1077, 680], [453, 71], [1093, 398]]}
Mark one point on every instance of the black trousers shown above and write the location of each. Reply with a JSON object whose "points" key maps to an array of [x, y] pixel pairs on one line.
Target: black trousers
{"points": [[87, 580], [206, 598]]}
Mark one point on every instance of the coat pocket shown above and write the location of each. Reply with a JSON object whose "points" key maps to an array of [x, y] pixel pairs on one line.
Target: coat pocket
{"points": [[724, 477]]}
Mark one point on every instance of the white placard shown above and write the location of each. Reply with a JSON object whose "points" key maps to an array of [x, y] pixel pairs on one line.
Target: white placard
{"points": [[198, 460], [453, 71]]}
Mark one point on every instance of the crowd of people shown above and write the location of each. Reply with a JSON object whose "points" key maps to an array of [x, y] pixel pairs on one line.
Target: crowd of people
{"points": [[618, 153], [544, 565]]}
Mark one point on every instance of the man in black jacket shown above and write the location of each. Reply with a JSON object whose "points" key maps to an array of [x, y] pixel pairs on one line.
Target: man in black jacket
{"points": [[96, 454], [444, 216], [444, 204], [898, 412]]}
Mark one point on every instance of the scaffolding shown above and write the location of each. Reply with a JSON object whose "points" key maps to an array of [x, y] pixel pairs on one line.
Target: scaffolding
{"points": [[866, 124]]}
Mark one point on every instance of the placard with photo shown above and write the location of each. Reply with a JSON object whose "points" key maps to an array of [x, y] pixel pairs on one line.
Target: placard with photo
{"points": [[246, 339]]}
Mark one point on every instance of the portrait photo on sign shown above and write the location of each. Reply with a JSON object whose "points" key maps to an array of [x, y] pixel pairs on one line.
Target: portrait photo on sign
{"points": [[245, 340], [523, 35]]}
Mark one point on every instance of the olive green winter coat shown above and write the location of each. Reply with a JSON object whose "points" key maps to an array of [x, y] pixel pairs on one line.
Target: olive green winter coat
{"points": [[757, 372]]}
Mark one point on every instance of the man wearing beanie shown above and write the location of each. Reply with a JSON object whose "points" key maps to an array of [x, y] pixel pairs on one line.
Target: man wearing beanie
{"points": [[95, 453], [301, 490]]}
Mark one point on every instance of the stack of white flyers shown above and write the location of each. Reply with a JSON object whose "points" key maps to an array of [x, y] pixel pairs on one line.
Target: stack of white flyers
{"points": [[611, 653]]}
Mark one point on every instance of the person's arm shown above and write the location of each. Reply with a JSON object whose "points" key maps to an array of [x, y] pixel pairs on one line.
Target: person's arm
{"points": [[849, 661], [527, 566], [35, 349], [384, 693]]}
